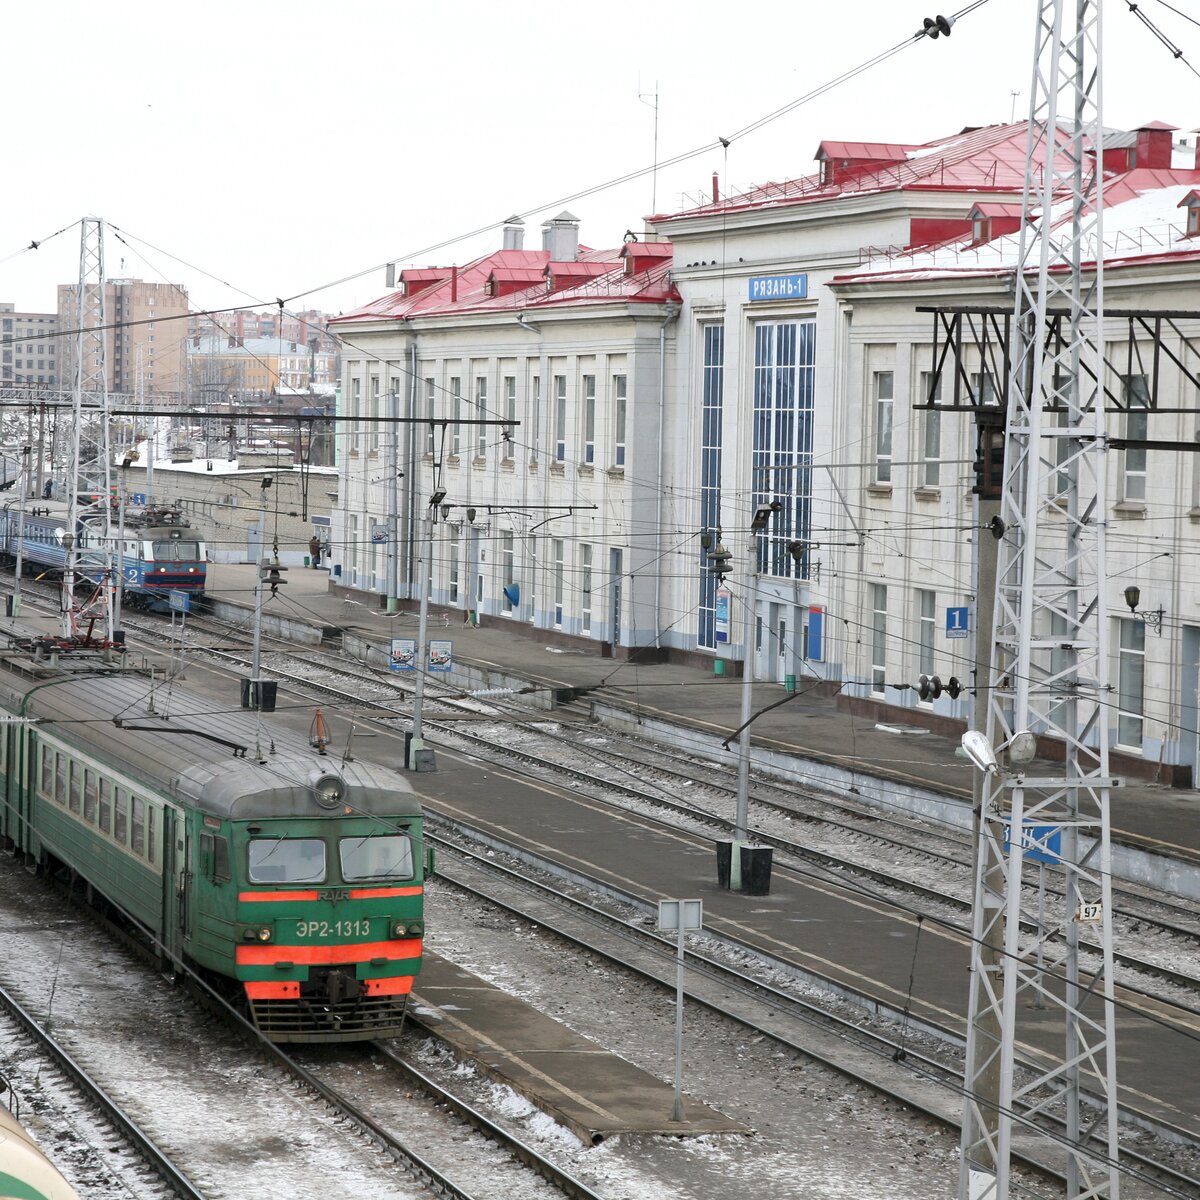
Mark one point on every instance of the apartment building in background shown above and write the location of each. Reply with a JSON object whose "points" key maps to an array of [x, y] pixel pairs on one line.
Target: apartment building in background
{"points": [[29, 350], [146, 337]]}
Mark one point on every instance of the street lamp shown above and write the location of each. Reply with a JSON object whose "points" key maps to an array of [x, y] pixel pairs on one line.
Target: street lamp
{"points": [[741, 833], [418, 757], [1154, 619]]}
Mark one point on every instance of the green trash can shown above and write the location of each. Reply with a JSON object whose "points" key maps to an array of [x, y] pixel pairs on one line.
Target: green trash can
{"points": [[789, 684], [718, 666]]}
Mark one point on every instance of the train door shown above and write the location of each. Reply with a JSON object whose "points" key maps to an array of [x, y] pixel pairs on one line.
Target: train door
{"points": [[176, 882]]}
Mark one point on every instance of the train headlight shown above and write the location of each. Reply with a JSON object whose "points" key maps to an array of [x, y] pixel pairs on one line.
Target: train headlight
{"points": [[264, 934], [407, 929], [329, 790]]}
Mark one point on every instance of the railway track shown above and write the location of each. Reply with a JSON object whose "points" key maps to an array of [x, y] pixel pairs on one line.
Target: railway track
{"points": [[952, 907], [313, 1078], [891, 1060], [387, 697], [91, 1094]]}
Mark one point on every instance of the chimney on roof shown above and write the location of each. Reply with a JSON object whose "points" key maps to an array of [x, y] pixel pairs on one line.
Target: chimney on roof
{"points": [[514, 233], [560, 236], [1154, 146]]}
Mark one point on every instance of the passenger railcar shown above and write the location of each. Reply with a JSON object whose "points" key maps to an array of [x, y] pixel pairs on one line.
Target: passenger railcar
{"points": [[240, 849], [25, 1172], [160, 552]]}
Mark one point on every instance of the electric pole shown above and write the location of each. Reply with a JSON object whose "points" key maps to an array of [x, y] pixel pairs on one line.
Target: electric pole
{"points": [[90, 379], [1049, 662]]}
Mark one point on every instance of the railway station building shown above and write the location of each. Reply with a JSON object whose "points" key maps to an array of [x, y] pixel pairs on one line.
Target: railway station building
{"points": [[765, 348], [551, 514]]}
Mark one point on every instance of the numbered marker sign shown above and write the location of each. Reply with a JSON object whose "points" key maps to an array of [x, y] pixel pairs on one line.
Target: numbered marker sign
{"points": [[1090, 914], [957, 622]]}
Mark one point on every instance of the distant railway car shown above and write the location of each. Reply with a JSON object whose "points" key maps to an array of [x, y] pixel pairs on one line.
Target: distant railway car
{"points": [[25, 1172], [160, 552], [292, 878]]}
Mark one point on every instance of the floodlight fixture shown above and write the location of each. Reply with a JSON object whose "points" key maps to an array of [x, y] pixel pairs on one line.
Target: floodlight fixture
{"points": [[979, 750]]}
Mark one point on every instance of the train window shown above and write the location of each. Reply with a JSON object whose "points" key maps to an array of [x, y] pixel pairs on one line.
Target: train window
{"points": [[76, 786], [120, 818], [46, 784], [287, 860], [60, 779], [151, 838], [138, 843], [214, 858], [105, 805], [91, 791], [221, 871], [375, 858], [176, 551]]}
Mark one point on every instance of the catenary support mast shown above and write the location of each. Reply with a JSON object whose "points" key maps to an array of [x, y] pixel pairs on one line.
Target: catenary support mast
{"points": [[89, 457], [1049, 673]]}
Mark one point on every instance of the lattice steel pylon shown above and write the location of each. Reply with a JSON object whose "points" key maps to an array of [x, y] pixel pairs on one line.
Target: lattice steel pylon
{"points": [[1049, 669], [89, 456]]}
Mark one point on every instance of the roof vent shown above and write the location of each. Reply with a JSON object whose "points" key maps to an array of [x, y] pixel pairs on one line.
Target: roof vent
{"points": [[560, 236], [514, 233]]}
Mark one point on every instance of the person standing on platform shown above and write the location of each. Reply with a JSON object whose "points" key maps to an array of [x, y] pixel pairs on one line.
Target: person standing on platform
{"points": [[314, 551]]}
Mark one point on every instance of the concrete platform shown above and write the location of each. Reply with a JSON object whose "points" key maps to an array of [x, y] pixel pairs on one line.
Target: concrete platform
{"points": [[592, 1092], [810, 732]]}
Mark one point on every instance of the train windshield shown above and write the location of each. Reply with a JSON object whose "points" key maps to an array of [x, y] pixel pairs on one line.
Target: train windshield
{"points": [[287, 860], [176, 551], [375, 858]]}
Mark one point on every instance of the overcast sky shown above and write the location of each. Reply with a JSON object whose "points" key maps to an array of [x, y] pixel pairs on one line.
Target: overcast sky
{"points": [[278, 148]]}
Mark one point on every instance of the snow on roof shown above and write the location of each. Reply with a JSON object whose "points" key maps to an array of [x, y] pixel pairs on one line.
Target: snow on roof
{"points": [[990, 159], [1141, 221]]}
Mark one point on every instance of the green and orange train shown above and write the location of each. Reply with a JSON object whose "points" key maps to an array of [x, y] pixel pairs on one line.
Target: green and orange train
{"points": [[238, 849]]}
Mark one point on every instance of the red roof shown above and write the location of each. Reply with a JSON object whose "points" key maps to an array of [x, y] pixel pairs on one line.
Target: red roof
{"points": [[561, 275], [1158, 125], [600, 278], [991, 159], [647, 250], [995, 210], [876, 151]]}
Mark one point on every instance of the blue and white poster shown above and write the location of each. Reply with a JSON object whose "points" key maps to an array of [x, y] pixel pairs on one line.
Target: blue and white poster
{"points": [[721, 615], [404, 654], [441, 654]]}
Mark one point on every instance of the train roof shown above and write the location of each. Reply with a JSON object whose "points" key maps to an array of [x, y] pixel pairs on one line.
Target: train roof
{"points": [[137, 520], [196, 750]]}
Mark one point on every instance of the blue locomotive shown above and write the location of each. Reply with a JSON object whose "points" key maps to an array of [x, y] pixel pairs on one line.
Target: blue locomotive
{"points": [[159, 553], [291, 880]]}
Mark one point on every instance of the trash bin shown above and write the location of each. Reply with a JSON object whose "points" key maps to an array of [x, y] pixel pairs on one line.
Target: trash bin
{"points": [[718, 666], [307, 561], [756, 870], [789, 684], [724, 861]]}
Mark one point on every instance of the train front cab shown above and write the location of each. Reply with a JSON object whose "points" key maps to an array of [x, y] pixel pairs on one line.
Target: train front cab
{"points": [[320, 919], [172, 560]]}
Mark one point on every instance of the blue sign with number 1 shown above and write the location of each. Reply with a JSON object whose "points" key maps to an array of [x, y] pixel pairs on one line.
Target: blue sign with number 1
{"points": [[957, 622]]}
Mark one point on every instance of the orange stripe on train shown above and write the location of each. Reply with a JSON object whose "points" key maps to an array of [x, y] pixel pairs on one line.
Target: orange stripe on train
{"points": [[355, 894], [279, 895], [268, 955]]}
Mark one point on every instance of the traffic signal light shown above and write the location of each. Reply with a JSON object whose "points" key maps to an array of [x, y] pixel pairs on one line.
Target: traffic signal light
{"points": [[272, 573], [989, 462], [719, 560]]}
